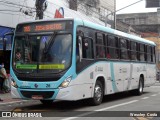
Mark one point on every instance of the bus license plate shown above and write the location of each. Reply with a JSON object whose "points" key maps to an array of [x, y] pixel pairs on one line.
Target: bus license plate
{"points": [[37, 97]]}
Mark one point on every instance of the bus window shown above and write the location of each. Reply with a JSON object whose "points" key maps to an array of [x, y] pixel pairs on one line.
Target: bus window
{"points": [[142, 52], [149, 52], [87, 48], [124, 49], [112, 48], [153, 54], [133, 50], [100, 51]]}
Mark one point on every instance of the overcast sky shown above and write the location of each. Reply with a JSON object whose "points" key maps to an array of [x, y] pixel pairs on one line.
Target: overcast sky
{"points": [[136, 8]]}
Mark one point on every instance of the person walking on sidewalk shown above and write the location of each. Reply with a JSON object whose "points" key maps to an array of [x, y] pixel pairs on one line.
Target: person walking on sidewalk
{"points": [[4, 78], [1, 80], [1, 83]]}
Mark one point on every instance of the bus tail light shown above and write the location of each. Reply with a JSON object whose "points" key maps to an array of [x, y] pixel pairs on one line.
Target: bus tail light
{"points": [[66, 82]]}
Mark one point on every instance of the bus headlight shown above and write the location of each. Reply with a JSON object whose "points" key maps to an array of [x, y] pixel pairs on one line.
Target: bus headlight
{"points": [[13, 83], [66, 82]]}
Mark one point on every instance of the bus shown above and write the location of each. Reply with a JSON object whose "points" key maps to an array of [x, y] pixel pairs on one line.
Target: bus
{"points": [[73, 59]]}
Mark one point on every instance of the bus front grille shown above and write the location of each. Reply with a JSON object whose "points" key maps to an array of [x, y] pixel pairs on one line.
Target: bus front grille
{"points": [[44, 94], [34, 79]]}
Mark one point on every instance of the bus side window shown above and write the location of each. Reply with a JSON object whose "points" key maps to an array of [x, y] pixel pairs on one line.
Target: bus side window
{"points": [[112, 47], [87, 50], [100, 51], [142, 52], [133, 51]]}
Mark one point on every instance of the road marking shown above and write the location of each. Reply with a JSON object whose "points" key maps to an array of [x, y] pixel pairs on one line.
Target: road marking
{"points": [[154, 95], [142, 118], [145, 98], [103, 109], [17, 110]]}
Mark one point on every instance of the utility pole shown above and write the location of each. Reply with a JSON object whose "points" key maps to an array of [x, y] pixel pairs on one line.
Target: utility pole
{"points": [[40, 8], [106, 19]]}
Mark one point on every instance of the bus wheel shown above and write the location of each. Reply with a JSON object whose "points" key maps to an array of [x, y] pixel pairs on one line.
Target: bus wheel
{"points": [[98, 94], [139, 91], [46, 102]]}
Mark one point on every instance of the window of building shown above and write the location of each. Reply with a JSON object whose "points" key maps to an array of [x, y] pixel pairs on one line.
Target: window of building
{"points": [[130, 20], [142, 20]]}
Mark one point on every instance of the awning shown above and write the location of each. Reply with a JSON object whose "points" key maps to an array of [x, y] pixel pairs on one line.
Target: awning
{"points": [[3, 31]]}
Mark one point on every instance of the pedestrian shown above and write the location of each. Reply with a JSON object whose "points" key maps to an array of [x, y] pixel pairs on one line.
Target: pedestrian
{"points": [[4, 78], [1, 80], [1, 84]]}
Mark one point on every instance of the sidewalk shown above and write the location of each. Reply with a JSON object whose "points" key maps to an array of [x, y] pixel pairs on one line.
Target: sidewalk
{"points": [[6, 97]]}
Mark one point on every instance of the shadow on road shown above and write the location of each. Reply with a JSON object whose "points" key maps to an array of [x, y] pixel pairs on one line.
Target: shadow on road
{"points": [[64, 106]]}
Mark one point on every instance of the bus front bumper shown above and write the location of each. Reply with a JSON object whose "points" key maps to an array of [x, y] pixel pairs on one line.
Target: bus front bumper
{"points": [[70, 93]]}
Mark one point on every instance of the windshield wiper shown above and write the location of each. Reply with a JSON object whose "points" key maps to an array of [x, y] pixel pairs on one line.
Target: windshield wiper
{"points": [[51, 41]]}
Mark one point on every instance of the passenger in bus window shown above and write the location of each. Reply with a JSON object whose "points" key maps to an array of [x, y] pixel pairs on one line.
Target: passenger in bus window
{"points": [[108, 56], [18, 55]]}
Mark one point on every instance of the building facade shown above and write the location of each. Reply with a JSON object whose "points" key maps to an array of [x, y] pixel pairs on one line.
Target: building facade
{"points": [[104, 10]]}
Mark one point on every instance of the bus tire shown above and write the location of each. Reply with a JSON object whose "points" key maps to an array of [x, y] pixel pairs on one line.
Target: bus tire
{"points": [[46, 102], [98, 94], [139, 91]]}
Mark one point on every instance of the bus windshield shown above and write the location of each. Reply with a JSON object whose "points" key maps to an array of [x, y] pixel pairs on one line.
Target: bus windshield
{"points": [[42, 53]]}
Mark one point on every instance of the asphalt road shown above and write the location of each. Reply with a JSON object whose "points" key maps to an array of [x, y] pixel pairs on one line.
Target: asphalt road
{"points": [[119, 106]]}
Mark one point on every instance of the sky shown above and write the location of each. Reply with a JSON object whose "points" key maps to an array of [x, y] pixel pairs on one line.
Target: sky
{"points": [[136, 8]]}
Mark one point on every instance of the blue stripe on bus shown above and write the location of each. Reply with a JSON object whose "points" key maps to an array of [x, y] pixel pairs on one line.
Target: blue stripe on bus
{"points": [[115, 89]]}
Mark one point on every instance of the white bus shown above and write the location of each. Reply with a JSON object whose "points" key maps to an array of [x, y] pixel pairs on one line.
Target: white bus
{"points": [[73, 59]]}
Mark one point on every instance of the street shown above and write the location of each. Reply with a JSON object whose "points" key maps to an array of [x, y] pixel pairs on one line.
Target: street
{"points": [[113, 104]]}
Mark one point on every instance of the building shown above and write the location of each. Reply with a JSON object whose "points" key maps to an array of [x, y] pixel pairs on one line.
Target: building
{"points": [[93, 10], [100, 9], [127, 28], [143, 22]]}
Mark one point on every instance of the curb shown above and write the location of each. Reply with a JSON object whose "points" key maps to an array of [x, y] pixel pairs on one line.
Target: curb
{"points": [[4, 103]]}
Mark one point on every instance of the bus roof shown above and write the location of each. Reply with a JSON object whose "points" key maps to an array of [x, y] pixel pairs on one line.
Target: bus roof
{"points": [[116, 32], [99, 27]]}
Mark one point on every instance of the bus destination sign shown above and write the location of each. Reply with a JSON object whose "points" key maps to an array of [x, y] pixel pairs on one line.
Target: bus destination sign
{"points": [[41, 27], [47, 27]]}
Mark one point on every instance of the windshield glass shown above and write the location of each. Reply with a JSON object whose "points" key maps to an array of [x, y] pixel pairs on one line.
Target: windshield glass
{"points": [[42, 53]]}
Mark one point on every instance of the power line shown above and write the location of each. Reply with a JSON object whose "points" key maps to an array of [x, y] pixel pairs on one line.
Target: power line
{"points": [[11, 3], [9, 13], [10, 10]]}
